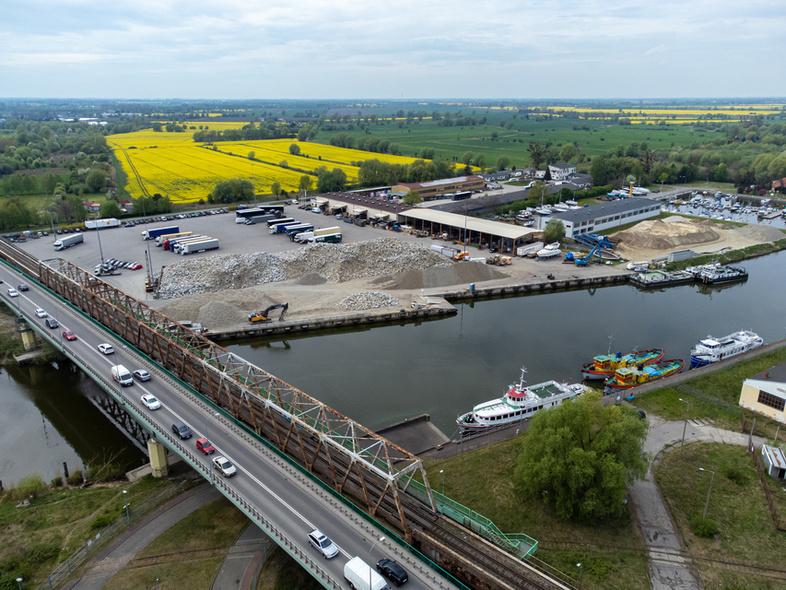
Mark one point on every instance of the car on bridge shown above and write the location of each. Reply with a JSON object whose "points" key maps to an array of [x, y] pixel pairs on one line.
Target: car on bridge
{"points": [[141, 375], [204, 445], [13, 293], [69, 335], [51, 323], [181, 430], [151, 402], [323, 544], [106, 348], [225, 466], [393, 571], [40, 312], [23, 287]]}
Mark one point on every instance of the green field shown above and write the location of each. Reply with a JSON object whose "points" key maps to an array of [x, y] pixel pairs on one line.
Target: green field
{"points": [[592, 137]]}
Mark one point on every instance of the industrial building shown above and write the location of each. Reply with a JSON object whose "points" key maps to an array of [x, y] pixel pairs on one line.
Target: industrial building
{"points": [[605, 216], [442, 188], [765, 393]]}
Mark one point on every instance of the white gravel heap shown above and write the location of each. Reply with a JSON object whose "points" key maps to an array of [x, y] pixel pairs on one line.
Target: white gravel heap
{"points": [[367, 300], [334, 262]]}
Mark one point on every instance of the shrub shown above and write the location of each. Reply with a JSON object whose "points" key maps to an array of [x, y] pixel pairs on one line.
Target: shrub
{"points": [[703, 527], [30, 486], [75, 479], [105, 472], [736, 475], [56, 482], [101, 521]]}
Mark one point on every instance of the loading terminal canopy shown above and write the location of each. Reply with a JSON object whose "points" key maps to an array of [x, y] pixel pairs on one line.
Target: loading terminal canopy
{"points": [[319, 201], [434, 219], [359, 211]]}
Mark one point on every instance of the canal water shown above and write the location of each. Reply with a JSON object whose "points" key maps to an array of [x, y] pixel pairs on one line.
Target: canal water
{"points": [[442, 367]]}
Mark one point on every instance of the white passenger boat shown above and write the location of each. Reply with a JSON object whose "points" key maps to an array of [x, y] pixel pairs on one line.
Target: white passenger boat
{"points": [[711, 350], [550, 251], [519, 403]]}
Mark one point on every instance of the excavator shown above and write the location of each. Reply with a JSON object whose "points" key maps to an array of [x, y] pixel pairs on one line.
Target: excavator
{"points": [[264, 316]]}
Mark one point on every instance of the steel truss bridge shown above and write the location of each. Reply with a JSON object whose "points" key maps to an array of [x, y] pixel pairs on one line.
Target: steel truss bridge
{"points": [[382, 479]]}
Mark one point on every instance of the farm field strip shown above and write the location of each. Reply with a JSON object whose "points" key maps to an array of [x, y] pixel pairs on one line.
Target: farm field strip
{"points": [[300, 162], [333, 153]]}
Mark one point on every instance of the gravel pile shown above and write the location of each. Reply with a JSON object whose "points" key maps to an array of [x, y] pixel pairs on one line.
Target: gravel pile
{"points": [[367, 300], [333, 263]]}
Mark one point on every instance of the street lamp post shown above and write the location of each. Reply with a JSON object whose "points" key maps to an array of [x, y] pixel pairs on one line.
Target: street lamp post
{"points": [[442, 471], [126, 506], [370, 572], [685, 425], [708, 491], [19, 583], [98, 236], [581, 572]]}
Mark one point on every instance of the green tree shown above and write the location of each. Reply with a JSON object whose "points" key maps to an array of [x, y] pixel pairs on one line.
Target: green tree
{"points": [[412, 198], [231, 191], [251, 155], [96, 180], [305, 183], [538, 153], [427, 153], [110, 209], [554, 231], [503, 162], [275, 188], [580, 456], [466, 159], [294, 149]]}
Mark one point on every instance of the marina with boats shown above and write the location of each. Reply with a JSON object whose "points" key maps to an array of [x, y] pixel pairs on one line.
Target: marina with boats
{"points": [[628, 377], [605, 365], [712, 350]]}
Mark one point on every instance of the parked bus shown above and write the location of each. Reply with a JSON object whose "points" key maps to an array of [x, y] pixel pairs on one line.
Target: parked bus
{"points": [[277, 210]]}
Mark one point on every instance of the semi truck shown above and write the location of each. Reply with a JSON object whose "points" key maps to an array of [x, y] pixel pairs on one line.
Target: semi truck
{"points": [[101, 223], [291, 230], [154, 232], [272, 222], [203, 246], [331, 238], [160, 239], [175, 245], [68, 241], [259, 218], [279, 228], [326, 234], [169, 243]]}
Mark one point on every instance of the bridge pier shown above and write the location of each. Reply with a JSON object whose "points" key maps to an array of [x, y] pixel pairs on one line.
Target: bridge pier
{"points": [[28, 335], [157, 453]]}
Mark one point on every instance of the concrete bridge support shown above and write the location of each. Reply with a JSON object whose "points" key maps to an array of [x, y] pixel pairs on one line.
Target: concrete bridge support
{"points": [[157, 453]]}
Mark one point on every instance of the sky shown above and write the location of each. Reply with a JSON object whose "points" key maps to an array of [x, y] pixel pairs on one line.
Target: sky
{"points": [[401, 49]]}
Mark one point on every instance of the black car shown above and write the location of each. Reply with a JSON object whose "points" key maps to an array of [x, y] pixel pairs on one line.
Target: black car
{"points": [[392, 570], [22, 287], [51, 323], [181, 430]]}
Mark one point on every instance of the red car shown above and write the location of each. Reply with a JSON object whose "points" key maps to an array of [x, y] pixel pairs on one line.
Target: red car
{"points": [[69, 335], [135, 266], [205, 446]]}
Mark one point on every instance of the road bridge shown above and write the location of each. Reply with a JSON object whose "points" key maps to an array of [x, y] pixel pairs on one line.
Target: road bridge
{"points": [[302, 464]]}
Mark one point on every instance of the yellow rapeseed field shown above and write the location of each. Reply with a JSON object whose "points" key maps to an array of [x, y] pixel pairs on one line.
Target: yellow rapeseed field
{"points": [[173, 165]]}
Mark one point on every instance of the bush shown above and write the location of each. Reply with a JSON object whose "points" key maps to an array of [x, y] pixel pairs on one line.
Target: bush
{"points": [[30, 486], [56, 482], [736, 475], [105, 472], [101, 521], [76, 478], [703, 527]]}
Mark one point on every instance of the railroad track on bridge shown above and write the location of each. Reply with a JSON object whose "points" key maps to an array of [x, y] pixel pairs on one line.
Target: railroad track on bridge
{"points": [[371, 472]]}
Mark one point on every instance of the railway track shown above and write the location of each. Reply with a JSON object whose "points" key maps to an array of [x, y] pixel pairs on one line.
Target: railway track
{"points": [[458, 549]]}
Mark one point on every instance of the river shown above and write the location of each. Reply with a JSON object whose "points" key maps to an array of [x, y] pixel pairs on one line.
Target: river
{"points": [[440, 367]]}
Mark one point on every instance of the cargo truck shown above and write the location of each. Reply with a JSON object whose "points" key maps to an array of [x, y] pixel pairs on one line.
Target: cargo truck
{"points": [[160, 239], [154, 232], [203, 246], [331, 238], [272, 222], [280, 228], [101, 223], [291, 230], [169, 243], [324, 232], [259, 218], [68, 241], [175, 245]]}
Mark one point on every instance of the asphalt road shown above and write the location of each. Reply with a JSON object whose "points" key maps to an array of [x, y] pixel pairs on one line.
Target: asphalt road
{"points": [[292, 503]]}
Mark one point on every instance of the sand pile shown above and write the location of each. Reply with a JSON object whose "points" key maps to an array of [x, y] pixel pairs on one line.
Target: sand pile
{"points": [[461, 273], [660, 235]]}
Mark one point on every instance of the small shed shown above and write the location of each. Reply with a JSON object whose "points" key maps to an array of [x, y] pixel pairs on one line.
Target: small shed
{"points": [[774, 461]]}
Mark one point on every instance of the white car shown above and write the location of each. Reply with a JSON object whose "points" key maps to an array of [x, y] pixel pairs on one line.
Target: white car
{"points": [[106, 348], [150, 401], [224, 466], [13, 293], [40, 312]]}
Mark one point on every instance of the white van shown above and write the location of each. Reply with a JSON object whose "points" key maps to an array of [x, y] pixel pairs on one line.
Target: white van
{"points": [[122, 375], [361, 576]]}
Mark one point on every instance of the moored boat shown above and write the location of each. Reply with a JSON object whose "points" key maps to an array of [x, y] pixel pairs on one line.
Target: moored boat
{"points": [[628, 377], [711, 350], [519, 403], [661, 278], [604, 365], [723, 274]]}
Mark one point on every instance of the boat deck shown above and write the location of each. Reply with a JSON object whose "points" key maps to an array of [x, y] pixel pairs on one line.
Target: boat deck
{"points": [[546, 389]]}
